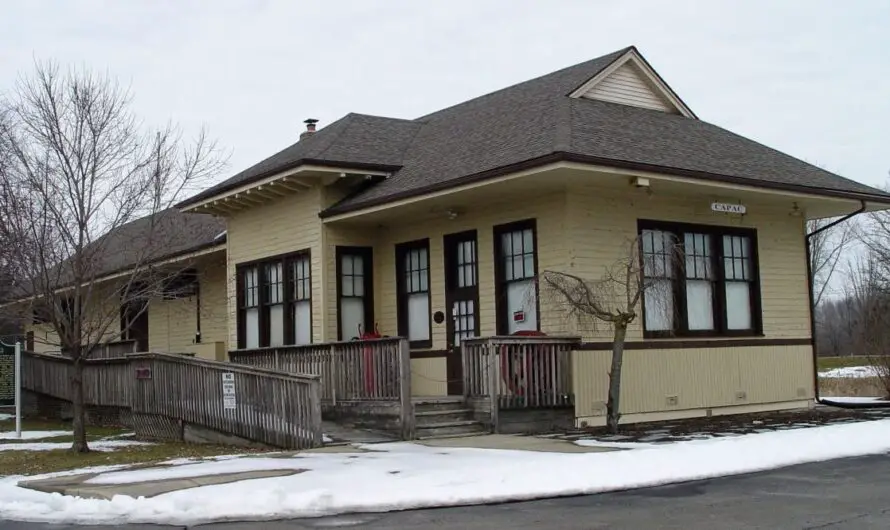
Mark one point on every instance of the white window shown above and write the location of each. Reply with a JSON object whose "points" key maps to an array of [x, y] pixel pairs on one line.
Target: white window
{"points": [[737, 273], [698, 280], [354, 296], [658, 271], [301, 300], [275, 302], [414, 291], [251, 308], [516, 252]]}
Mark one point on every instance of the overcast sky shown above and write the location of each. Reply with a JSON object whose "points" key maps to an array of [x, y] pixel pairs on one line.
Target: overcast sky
{"points": [[811, 78]]}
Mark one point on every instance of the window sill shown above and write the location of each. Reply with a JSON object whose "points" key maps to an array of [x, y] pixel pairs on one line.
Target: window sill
{"points": [[656, 335], [420, 344]]}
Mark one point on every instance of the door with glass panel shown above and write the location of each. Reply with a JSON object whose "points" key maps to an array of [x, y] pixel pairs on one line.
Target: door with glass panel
{"points": [[462, 300]]}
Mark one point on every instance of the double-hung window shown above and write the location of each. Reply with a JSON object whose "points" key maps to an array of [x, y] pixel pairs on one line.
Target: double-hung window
{"points": [[301, 299], [274, 301], [355, 292], [699, 280], [413, 272], [515, 273]]}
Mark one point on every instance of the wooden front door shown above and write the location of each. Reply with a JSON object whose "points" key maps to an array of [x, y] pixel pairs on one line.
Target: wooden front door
{"points": [[461, 299]]}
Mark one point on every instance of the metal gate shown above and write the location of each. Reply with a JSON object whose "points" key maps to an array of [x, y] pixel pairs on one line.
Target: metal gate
{"points": [[7, 374]]}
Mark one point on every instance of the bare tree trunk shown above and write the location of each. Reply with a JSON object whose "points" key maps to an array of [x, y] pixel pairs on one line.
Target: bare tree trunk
{"points": [[79, 423], [613, 413]]}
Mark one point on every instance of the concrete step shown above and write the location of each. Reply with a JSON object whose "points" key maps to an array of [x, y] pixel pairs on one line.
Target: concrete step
{"points": [[441, 406], [431, 417], [451, 428]]}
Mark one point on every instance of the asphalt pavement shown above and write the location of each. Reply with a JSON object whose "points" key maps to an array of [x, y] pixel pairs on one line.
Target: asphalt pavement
{"points": [[851, 493]]}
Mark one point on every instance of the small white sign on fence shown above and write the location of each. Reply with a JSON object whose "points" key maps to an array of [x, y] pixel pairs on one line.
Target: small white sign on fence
{"points": [[228, 383]]}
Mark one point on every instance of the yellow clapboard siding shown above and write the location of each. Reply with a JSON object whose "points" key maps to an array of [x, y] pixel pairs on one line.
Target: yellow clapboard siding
{"points": [[699, 378], [288, 224]]}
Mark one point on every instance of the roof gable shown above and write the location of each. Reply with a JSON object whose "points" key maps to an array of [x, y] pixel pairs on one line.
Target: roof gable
{"points": [[630, 80]]}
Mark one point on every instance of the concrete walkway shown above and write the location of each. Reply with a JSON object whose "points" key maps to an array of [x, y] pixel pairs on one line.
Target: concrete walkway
{"points": [[77, 485], [514, 442]]}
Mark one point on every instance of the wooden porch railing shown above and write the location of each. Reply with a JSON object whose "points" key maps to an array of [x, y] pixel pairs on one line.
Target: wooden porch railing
{"points": [[109, 350], [519, 372], [375, 370], [273, 408]]}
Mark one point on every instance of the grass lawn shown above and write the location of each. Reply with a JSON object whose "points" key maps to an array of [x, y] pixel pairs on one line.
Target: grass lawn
{"points": [[37, 462], [827, 363]]}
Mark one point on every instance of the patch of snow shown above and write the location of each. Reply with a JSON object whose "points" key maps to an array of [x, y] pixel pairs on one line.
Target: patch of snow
{"points": [[615, 445], [853, 372], [856, 400], [33, 435], [401, 476], [326, 439], [6, 417], [101, 445]]}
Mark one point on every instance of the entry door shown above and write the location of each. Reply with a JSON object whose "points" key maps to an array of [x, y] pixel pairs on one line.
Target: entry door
{"points": [[462, 300]]}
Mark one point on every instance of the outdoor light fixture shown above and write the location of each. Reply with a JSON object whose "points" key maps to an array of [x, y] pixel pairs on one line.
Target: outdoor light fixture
{"points": [[796, 211]]}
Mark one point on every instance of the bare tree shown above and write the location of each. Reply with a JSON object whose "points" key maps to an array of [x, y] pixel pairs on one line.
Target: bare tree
{"points": [[86, 190], [826, 250], [615, 298]]}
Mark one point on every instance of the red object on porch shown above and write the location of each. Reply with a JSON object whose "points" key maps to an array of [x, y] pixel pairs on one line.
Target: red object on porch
{"points": [[368, 359], [516, 376]]}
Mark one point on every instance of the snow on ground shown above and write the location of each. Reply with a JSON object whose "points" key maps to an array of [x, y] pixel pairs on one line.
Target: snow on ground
{"points": [[100, 445], [850, 372], [33, 435], [6, 417], [404, 476], [856, 400]]}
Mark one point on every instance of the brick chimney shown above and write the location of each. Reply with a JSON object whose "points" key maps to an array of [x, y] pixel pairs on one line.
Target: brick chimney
{"points": [[310, 127]]}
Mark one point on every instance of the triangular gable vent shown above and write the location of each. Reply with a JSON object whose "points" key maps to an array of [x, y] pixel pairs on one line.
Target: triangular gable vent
{"points": [[630, 81]]}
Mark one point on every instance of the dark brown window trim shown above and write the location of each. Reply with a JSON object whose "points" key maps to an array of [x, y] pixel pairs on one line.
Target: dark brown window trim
{"points": [[286, 261], [716, 231], [690, 344], [367, 253], [500, 291], [402, 295]]}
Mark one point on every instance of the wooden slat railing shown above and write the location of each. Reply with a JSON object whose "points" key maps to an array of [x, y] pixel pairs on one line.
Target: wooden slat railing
{"points": [[107, 350], [351, 371], [271, 407], [105, 381], [274, 408], [519, 372]]}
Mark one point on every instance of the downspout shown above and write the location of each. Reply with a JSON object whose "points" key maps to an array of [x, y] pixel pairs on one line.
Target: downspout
{"points": [[812, 293]]}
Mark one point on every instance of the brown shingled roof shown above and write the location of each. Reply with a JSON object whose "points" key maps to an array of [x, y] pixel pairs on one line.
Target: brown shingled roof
{"points": [[537, 122]]}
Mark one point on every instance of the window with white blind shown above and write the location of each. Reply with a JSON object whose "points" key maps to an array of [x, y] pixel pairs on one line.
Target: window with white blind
{"points": [[516, 271], [274, 301], [301, 300], [355, 291], [413, 291], [699, 280]]}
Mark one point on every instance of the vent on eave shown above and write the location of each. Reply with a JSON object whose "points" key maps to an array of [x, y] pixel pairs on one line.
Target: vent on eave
{"points": [[627, 85]]}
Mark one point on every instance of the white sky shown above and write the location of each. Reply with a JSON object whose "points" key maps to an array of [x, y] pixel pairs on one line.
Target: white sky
{"points": [[811, 78]]}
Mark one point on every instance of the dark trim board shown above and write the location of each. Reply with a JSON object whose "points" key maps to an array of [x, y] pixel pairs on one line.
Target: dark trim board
{"points": [[687, 344], [429, 354]]}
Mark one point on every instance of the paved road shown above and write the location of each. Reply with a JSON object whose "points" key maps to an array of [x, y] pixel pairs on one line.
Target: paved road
{"points": [[842, 494]]}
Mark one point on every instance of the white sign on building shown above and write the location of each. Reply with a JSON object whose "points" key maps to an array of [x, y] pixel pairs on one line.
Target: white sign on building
{"points": [[727, 207]]}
